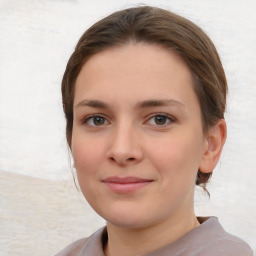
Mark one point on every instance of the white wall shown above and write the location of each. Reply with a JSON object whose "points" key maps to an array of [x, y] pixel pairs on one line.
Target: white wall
{"points": [[36, 40]]}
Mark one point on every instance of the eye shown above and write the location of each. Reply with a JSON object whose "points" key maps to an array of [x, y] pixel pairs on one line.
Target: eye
{"points": [[160, 120], [95, 120]]}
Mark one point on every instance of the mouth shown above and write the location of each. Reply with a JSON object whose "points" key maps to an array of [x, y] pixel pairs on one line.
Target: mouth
{"points": [[126, 185]]}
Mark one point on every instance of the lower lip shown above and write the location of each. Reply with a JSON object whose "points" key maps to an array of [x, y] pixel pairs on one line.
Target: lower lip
{"points": [[122, 188]]}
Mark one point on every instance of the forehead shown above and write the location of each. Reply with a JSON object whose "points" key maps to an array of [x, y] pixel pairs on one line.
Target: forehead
{"points": [[137, 71]]}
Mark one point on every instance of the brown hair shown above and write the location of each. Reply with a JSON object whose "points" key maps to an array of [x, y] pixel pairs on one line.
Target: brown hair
{"points": [[171, 31]]}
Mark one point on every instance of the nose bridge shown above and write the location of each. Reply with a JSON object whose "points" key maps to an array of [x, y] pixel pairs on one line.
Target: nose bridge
{"points": [[124, 144]]}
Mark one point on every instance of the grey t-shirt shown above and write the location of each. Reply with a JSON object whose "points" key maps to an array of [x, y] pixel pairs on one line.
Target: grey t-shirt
{"points": [[208, 239]]}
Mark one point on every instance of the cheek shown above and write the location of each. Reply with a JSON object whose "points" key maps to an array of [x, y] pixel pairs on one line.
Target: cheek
{"points": [[176, 157], [87, 154]]}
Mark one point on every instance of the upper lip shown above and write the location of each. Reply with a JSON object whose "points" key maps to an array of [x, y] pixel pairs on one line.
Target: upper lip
{"points": [[125, 180]]}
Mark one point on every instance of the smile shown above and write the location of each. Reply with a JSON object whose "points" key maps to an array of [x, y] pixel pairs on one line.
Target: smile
{"points": [[126, 184]]}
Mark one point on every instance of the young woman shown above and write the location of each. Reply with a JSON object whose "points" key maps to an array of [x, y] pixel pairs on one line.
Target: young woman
{"points": [[144, 96]]}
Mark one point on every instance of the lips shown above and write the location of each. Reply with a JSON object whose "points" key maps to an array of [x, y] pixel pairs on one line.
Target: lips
{"points": [[126, 184]]}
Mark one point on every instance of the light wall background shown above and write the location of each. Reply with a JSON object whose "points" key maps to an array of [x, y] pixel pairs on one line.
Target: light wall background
{"points": [[39, 206]]}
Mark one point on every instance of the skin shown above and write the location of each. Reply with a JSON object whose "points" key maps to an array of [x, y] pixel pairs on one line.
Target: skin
{"points": [[146, 124]]}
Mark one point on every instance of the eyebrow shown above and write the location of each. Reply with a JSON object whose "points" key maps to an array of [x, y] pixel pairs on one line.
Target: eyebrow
{"points": [[92, 104], [158, 103], [139, 105]]}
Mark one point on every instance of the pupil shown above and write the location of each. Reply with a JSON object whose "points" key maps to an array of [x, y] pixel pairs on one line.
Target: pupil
{"points": [[160, 119], [98, 120]]}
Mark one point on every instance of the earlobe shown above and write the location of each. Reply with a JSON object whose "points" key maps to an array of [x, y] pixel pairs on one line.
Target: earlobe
{"points": [[215, 141]]}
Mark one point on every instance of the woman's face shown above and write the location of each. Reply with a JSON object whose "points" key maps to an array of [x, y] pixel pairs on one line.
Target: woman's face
{"points": [[137, 137]]}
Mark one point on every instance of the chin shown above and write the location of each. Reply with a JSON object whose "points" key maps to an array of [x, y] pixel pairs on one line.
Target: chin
{"points": [[127, 223], [133, 220], [125, 218]]}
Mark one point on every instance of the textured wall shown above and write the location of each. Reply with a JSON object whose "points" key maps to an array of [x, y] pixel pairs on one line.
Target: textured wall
{"points": [[41, 217], [36, 40]]}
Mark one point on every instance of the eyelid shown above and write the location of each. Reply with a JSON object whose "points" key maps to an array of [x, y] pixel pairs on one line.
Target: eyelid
{"points": [[171, 118], [84, 120]]}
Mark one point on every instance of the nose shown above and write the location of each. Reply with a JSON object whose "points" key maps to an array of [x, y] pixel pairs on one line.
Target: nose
{"points": [[124, 146]]}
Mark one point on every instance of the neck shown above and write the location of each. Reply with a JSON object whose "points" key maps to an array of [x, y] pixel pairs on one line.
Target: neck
{"points": [[136, 242]]}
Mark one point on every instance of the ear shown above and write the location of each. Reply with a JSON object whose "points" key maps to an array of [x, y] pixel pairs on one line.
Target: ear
{"points": [[215, 139]]}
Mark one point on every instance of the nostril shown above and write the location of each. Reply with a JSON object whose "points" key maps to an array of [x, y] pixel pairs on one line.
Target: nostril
{"points": [[122, 160], [112, 159]]}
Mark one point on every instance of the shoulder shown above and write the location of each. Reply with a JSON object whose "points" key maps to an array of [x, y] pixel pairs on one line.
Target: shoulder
{"points": [[228, 246], [219, 242], [73, 249], [92, 245]]}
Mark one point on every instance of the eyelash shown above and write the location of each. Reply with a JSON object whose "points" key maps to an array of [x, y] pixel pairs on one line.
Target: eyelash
{"points": [[87, 119], [167, 117]]}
